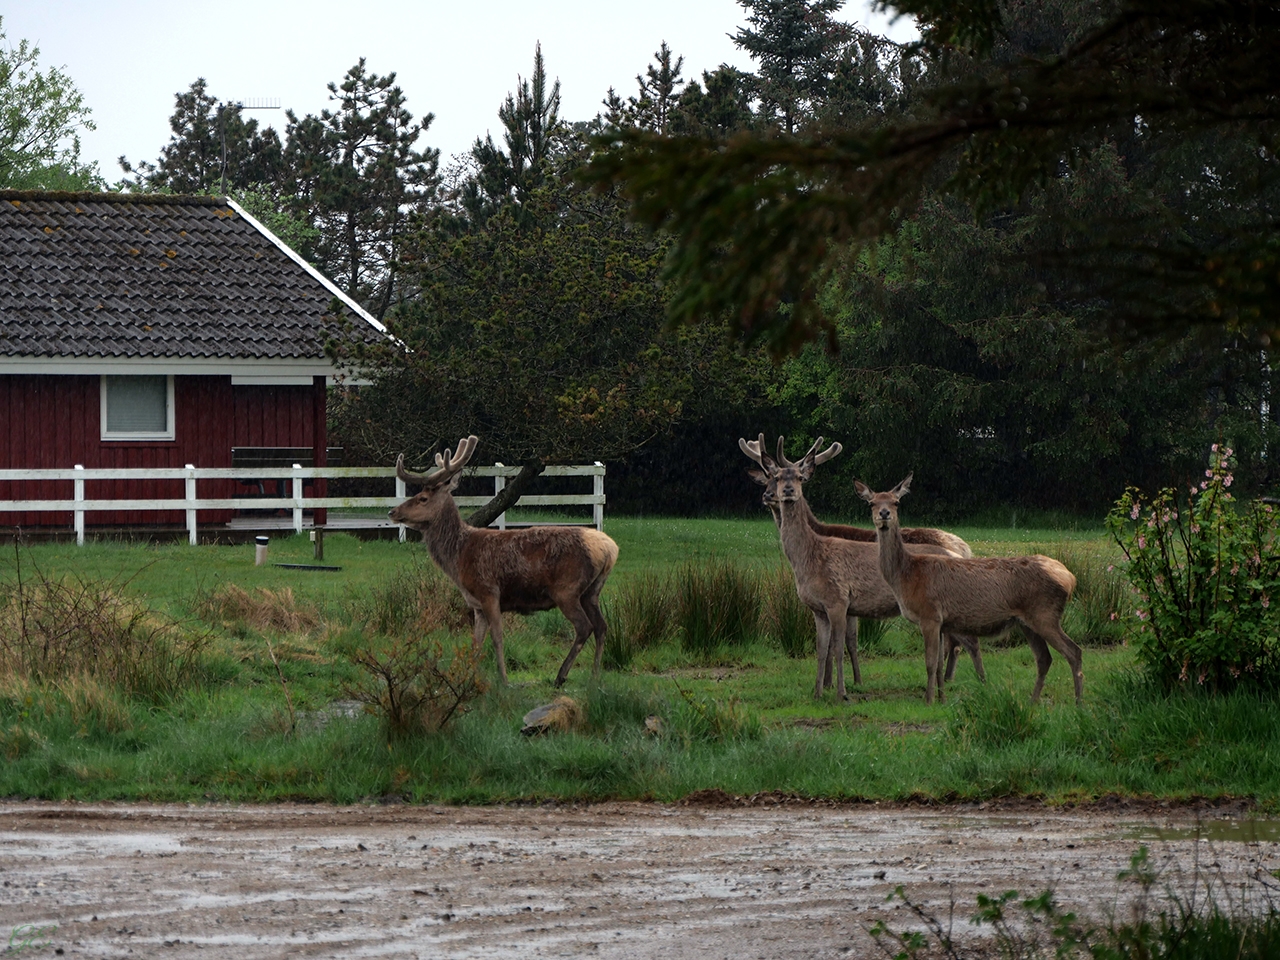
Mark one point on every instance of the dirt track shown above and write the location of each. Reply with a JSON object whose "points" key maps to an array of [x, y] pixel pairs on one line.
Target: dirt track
{"points": [[608, 880]]}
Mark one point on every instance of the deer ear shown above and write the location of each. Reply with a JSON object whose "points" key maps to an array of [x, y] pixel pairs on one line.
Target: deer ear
{"points": [[863, 490], [454, 481], [902, 489], [758, 476]]}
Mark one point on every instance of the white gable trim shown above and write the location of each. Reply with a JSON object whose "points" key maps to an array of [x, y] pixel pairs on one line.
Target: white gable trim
{"points": [[241, 369], [293, 255]]}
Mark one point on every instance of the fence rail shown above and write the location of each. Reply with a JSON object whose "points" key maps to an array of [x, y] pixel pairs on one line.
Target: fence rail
{"points": [[79, 505]]}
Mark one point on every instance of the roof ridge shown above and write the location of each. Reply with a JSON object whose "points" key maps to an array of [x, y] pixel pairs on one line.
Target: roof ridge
{"points": [[88, 196]]}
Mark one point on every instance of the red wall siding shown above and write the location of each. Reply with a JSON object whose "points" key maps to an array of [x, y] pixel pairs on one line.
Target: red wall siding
{"points": [[53, 421]]}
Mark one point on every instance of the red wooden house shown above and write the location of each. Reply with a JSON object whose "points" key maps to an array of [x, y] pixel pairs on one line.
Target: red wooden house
{"points": [[155, 331]]}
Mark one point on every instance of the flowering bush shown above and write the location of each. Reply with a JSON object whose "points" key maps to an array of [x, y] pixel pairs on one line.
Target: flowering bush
{"points": [[1205, 571]]}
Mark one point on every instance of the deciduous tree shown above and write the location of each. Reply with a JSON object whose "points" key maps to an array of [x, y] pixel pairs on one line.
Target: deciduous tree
{"points": [[41, 116]]}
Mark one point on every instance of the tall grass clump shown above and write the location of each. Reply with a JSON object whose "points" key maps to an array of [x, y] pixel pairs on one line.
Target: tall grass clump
{"points": [[993, 716], [261, 609], [415, 599], [640, 615], [786, 619], [718, 605], [698, 718], [1206, 571], [1101, 603], [53, 629]]}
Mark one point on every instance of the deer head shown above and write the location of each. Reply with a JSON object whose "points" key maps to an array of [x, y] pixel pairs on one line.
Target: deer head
{"points": [[884, 506], [438, 485], [782, 479]]}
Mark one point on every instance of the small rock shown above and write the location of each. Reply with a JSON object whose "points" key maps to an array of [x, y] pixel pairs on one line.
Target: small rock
{"points": [[561, 715]]}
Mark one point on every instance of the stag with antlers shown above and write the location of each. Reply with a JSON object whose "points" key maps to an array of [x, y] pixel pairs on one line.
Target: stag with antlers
{"points": [[521, 571], [927, 538], [983, 596], [837, 579]]}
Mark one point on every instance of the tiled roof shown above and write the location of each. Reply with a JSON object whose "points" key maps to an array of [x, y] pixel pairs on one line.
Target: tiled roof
{"points": [[127, 275]]}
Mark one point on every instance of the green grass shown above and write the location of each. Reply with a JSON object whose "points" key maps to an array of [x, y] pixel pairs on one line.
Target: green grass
{"points": [[735, 716]]}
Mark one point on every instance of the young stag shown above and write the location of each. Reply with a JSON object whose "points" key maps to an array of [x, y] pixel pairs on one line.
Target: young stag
{"points": [[522, 571], [983, 597], [838, 580], [919, 537]]}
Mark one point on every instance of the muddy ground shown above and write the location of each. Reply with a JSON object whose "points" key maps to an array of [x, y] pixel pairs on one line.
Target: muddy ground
{"points": [[705, 879]]}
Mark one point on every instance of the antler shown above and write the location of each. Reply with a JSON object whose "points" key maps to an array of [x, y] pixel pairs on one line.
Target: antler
{"points": [[817, 458], [755, 450], [447, 464]]}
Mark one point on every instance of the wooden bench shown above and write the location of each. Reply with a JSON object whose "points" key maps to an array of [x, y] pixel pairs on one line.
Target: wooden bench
{"points": [[249, 457]]}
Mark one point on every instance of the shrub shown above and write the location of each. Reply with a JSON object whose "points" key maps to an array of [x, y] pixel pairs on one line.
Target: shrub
{"points": [[717, 605], [52, 630], [414, 687], [261, 609], [1205, 573]]}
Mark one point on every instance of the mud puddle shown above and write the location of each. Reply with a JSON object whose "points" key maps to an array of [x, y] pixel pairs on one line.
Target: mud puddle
{"points": [[607, 880]]}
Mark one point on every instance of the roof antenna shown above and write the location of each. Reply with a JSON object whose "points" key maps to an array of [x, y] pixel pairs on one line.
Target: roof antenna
{"points": [[252, 103]]}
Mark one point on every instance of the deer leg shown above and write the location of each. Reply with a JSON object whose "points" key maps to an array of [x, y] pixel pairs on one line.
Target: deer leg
{"points": [[970, 643], [591, 604], [837, 622], [571, 607], [932, 638], [953, 652], [1057, 638], [823, 625], [851, 644], [490, 615], [1044, 659]]}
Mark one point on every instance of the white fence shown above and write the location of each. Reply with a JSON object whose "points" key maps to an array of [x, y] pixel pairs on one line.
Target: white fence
{"points": [[297, 503]]}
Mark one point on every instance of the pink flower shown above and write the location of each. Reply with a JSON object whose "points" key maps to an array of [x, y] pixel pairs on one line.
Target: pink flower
{"points": [[1142, 542], [1209, 473], [1226, 481], [1228, 452], [1265, 602], [1133, 514], [1114, 615]]}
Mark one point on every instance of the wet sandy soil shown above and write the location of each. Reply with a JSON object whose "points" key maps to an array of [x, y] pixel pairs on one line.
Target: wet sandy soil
{"points": [[705, 880]]}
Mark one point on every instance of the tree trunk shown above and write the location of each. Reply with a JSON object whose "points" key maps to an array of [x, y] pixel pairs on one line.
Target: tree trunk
{"points": [[508, 495]]}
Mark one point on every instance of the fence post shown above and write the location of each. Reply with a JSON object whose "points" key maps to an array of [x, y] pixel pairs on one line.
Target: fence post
{"points": [[191, 511], [297, 499], [598, 490], [78, 515], [402, 493], [499, 481]]}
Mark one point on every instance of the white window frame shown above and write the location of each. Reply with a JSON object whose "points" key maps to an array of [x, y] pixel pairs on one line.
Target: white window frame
{"points": [[167, 434]]}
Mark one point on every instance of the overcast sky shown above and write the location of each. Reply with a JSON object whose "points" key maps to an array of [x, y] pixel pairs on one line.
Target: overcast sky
{"points": [[457, 60]]}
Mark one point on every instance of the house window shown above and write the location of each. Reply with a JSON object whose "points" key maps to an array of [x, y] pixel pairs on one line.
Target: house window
{"points": [[137, 408]]}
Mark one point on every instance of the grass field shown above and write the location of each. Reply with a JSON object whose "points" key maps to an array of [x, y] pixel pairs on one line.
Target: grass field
{"points": [[265, 714]]}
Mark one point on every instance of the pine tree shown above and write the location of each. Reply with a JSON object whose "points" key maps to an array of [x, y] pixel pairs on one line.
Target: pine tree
{"points": [[655, 103], [356, 172], [213, 149], [795, 43], [532, 132]]}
